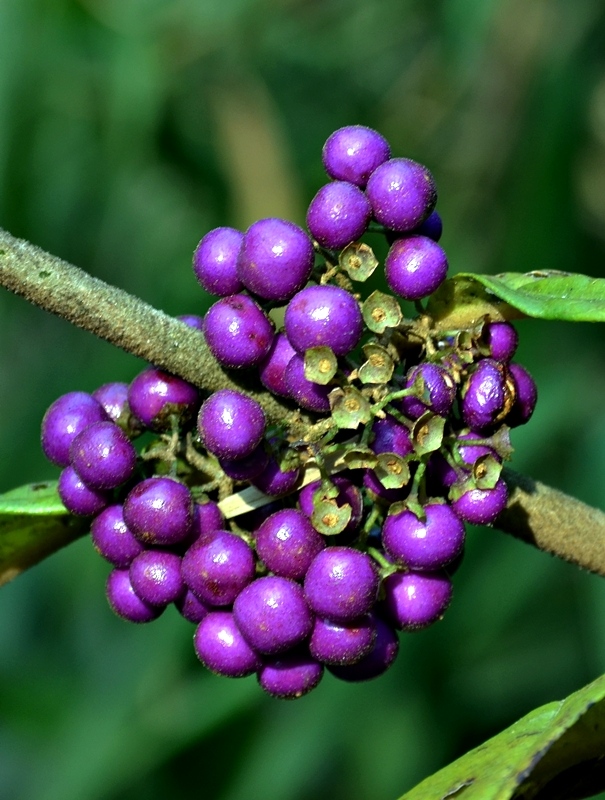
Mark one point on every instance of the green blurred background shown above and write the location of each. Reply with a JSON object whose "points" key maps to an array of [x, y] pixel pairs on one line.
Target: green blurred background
{"points": [[129, 128]]}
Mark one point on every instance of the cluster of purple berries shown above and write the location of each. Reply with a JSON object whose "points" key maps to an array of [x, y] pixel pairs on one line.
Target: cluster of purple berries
{"points": [[406, 425]]}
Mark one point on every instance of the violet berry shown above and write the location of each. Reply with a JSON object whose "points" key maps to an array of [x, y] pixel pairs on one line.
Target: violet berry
{"points": [[415, 266], [237, 331], [341, 583], [63, 421], [215, 261], [290, 675], [217, 571], [231, 424], [353, 153], [325, 316], [112, 539], [155, 576], [415, 600], [424, 545], [103, 455], [342, 643], [338, 214], [402, 194], [221, 648], [159, 511], [154, 396], [125, 602], [382, 656], [287, 543]]}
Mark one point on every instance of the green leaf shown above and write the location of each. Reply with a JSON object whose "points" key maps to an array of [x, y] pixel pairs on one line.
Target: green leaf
{"points": [[524, 759], [545, 294], [33, 524]]}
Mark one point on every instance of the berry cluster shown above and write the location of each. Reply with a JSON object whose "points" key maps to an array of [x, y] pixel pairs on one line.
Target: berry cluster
{"points": [[310, 543]]}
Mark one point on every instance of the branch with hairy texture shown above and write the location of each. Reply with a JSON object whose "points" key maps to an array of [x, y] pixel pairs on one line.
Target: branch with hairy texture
{"points": [[541, 516]]}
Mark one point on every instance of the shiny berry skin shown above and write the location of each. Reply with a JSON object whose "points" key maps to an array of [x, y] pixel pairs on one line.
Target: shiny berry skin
{"points": [[231, 424], [238, 332], [502, 340], [191, 607], [440, 387], [272, 368], [390, 436], [485, 395], [272, 614], [276, 259], [338, 214], [325, 316], [415, 600], [218, 570], [415, 266], [114, 399], [159, 511], [103, 456], [112, 539], [526, 396], [308, 394], [155, 395], [155, 576], [222, 649], [63, 421], [427, 545], [402, 194], [247, 468], [340, 643], [482, 506], [275, 481], [341, 584], [125, 602], [215, 261], [287, 543], [290, 675], [79, 498], [352, 153], [377, 661]]}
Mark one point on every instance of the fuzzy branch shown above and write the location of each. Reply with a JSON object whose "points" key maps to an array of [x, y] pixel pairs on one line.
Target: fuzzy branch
{"points": [[537, 514]]}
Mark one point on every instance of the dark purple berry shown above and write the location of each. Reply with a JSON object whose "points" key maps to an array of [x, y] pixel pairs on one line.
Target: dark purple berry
{"points": [[427, 545], [502, 340], [482, 506], [339, 643], [272, 614], [221, 647], [341, 583], [64, 420], [247, 468], [125, 602], [103, 456], [415, 266], [215, 261], [287, 543], [231, 424], [377, 661], [290, 675], [338, 214], [415, 600], [191, 607], [114, 399], [238, 332], [325, 316], [155, 395], [159, 511], [439, 385], [485, 395], [276, 259], [79, 498], [402, 194], [390, 436], [309, 395], [526, 396], [193, 320], [112, 539], [431, 227], [275, 481], [218, 570], [155, 576], [273, 367], [353, 153]]}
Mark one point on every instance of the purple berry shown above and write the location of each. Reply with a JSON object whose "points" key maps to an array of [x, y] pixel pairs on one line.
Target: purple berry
{"points": [[191, 607], [155, 576], [112, 539], [273, 367], [431, 227], [218, 570], [272, 614], [482, 506], [207, 518], [125, 602], [341, 583], [390, 436], [485, 394], [309, 395], [287, 543], [221, 647], [79, 498], [290, 675], [502, 340], [353, 153], [440, 387], [215, 261], [338, 214], [247, 468], [238, 332], [377, 661], [402, 194], [526, 396], [427, 545], [159, 511], [274, 481], [231, 424], [276, 259], [337, 643], [325, 316], [114, 399], [64, 420], [103, 456], [415, 600], [155, 395], [193, 320], [415, 266]]}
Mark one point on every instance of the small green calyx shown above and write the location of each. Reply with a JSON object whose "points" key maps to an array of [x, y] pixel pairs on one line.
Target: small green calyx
{"points": [[379, 367], [427, 433], [321, 365], [350, 409], [392, 471], [329, 518], [381, 311], [358, 261]]}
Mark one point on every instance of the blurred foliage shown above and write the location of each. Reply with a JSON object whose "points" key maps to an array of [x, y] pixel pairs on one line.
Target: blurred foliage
{"points": [[128, 130]]}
